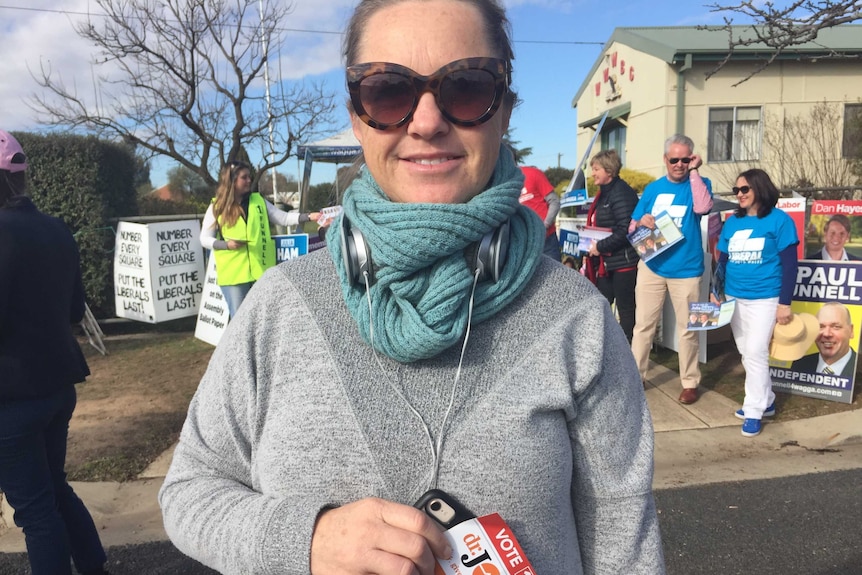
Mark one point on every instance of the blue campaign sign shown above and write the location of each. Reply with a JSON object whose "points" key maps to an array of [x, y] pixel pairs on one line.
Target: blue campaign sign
{"points": [[569, 243], [290, 246]]}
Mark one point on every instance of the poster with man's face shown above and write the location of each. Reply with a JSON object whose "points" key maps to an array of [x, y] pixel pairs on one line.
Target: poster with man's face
{"points": [[832, 292]]}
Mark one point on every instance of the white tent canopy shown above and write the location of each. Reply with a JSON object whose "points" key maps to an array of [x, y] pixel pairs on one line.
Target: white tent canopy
{"points": [[341, 148]]}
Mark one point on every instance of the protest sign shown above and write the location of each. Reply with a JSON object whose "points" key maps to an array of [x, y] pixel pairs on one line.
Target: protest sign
{"points": [[158, 270]]}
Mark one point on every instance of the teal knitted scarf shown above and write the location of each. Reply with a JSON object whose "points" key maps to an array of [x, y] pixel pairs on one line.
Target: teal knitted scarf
{"points": [[422, 283]]}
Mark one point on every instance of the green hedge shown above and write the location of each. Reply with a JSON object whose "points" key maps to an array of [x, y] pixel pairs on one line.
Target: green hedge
{"points": [[85, 182]]}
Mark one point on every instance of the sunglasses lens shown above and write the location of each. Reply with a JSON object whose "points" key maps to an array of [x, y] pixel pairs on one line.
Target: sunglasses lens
{"points": [[467, 95], [674, 161], [388, 98]]}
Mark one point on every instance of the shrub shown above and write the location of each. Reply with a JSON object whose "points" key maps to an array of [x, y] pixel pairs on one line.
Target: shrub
{"points": [[637, 180], [85, 182]]}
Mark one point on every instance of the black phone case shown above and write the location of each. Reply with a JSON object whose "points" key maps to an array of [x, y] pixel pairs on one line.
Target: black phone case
{"points": [[434, 504]]}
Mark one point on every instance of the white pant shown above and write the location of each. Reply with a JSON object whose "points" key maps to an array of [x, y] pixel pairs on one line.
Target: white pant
{"points": [[752, 324]]}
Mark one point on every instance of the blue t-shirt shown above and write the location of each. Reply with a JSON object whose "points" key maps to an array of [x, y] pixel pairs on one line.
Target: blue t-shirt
{"points": [[753, 246], [685, 258]]}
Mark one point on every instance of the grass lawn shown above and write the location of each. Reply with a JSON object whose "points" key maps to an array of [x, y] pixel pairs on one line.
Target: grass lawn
{"points": [[133, 405]]}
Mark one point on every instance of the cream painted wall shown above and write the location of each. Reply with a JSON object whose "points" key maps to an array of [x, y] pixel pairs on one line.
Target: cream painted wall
{"points": [[785, 89]]}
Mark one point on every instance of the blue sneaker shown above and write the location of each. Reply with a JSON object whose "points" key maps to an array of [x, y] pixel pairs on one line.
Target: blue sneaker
{"points": [[751, 427], [770, 412]]}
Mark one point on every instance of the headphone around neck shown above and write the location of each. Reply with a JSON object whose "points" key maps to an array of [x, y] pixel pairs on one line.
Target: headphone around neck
{"points": [[486, 257]]}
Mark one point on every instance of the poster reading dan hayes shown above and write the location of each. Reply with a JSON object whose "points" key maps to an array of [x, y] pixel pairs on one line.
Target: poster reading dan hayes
{"points": [[158, 270], [832, 292]]}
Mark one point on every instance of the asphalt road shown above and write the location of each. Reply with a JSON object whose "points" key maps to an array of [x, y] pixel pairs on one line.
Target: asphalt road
{"points": [[802, 525]]}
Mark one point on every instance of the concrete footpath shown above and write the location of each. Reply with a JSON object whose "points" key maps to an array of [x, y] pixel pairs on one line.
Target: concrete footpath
{"points": [[695, 444]]}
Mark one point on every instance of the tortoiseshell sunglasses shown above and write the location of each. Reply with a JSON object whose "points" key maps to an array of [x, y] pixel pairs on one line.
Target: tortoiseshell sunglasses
{"points": [[468, 91]]}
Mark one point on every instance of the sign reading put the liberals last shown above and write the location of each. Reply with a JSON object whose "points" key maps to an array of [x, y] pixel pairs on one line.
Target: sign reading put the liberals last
{"points": [[158, 270]]}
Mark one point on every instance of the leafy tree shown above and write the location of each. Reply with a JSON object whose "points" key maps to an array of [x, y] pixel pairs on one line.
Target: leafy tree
{"points": [[520, 153], [186, 81], [320, 196], [189, 184], [557, 175], [784, 27]]}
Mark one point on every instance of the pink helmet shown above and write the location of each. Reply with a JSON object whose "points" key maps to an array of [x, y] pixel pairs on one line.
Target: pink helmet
{"points": [[12, 156]]}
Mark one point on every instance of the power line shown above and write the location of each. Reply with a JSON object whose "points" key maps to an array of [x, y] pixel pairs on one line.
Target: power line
{"points": [[299, 30]]}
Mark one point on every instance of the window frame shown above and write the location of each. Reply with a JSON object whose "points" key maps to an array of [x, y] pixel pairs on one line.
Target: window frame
{"points": [[735, 124]]}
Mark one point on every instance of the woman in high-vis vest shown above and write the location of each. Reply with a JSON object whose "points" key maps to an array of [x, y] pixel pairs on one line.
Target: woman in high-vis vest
{"points": [[236, 229]]}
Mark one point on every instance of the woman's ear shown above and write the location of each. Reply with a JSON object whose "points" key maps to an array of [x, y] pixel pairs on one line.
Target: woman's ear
{"points": [[357, 125]]}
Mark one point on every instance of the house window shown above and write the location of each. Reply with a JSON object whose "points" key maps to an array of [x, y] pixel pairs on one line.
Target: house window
{"points": [[852, 144], [734, 134], [615, 137]]}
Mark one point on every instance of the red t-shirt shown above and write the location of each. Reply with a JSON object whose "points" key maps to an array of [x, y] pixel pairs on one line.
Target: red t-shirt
{"points": [[536, 187]]}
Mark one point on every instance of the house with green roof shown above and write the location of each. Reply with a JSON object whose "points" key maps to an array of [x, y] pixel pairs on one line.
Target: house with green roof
{"points": [[653, 82]]}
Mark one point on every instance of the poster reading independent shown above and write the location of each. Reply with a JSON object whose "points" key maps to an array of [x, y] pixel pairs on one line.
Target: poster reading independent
{"points": [[832, 292]]}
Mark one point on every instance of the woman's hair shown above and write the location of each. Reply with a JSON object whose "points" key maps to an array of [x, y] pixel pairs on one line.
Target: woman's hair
{"points": [[609, 161], [497, 28], [226, 203], [765, 192]]}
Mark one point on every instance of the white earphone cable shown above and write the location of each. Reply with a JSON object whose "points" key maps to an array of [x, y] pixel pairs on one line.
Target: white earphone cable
{"points": [[435, 448]]}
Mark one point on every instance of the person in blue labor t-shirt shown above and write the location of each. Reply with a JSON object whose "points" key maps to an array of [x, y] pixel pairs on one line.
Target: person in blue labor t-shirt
{"points": [[685, 196], [757, 251]]}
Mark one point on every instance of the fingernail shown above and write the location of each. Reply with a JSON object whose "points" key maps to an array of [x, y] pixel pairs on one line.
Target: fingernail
{"points": [[447, 552]]}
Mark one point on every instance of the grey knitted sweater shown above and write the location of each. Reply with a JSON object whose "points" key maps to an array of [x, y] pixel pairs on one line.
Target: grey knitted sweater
{"points": [[549, 428]]}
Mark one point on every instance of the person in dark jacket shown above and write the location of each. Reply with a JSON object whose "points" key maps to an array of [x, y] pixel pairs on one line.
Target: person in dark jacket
{"points": [[612, 208], [41, 295]]}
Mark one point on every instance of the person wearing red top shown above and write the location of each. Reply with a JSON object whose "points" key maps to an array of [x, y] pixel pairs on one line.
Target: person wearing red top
{"points": [[538, 194]]}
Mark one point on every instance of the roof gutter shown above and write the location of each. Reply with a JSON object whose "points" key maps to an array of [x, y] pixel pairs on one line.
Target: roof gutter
{"points": [[680, 94]]}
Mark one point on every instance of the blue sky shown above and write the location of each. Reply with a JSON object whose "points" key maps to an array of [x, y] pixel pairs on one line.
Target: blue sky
{"points": [[556, 44]]}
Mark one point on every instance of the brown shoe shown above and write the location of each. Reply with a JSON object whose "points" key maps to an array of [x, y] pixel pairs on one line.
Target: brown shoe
{"points": [[688, 395]]}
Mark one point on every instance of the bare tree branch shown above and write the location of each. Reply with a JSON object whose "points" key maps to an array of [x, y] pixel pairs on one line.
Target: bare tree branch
{"points": [[184, 79], [780, 29]]}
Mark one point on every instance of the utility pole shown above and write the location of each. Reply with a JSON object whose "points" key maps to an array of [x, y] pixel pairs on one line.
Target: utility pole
{"points": [[559, 155], [265, 48]]}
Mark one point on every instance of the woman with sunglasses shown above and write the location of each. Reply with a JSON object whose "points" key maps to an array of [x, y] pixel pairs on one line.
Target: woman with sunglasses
{"points": [[236, 228], [757, 267], [435, 353]]}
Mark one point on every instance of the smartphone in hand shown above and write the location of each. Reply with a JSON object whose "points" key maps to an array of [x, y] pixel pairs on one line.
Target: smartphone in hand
{"points": [[443, 508]]}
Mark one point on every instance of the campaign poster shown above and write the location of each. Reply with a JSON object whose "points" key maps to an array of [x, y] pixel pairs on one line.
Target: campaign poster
{"points": [[832, 292], [569, 240], [834, 230], [795, 208], [288, 247]]}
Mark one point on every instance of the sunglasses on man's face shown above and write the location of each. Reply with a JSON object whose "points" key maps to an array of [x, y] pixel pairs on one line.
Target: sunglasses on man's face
{"points": [[674, 161], [743, 189], [468, 91]]}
